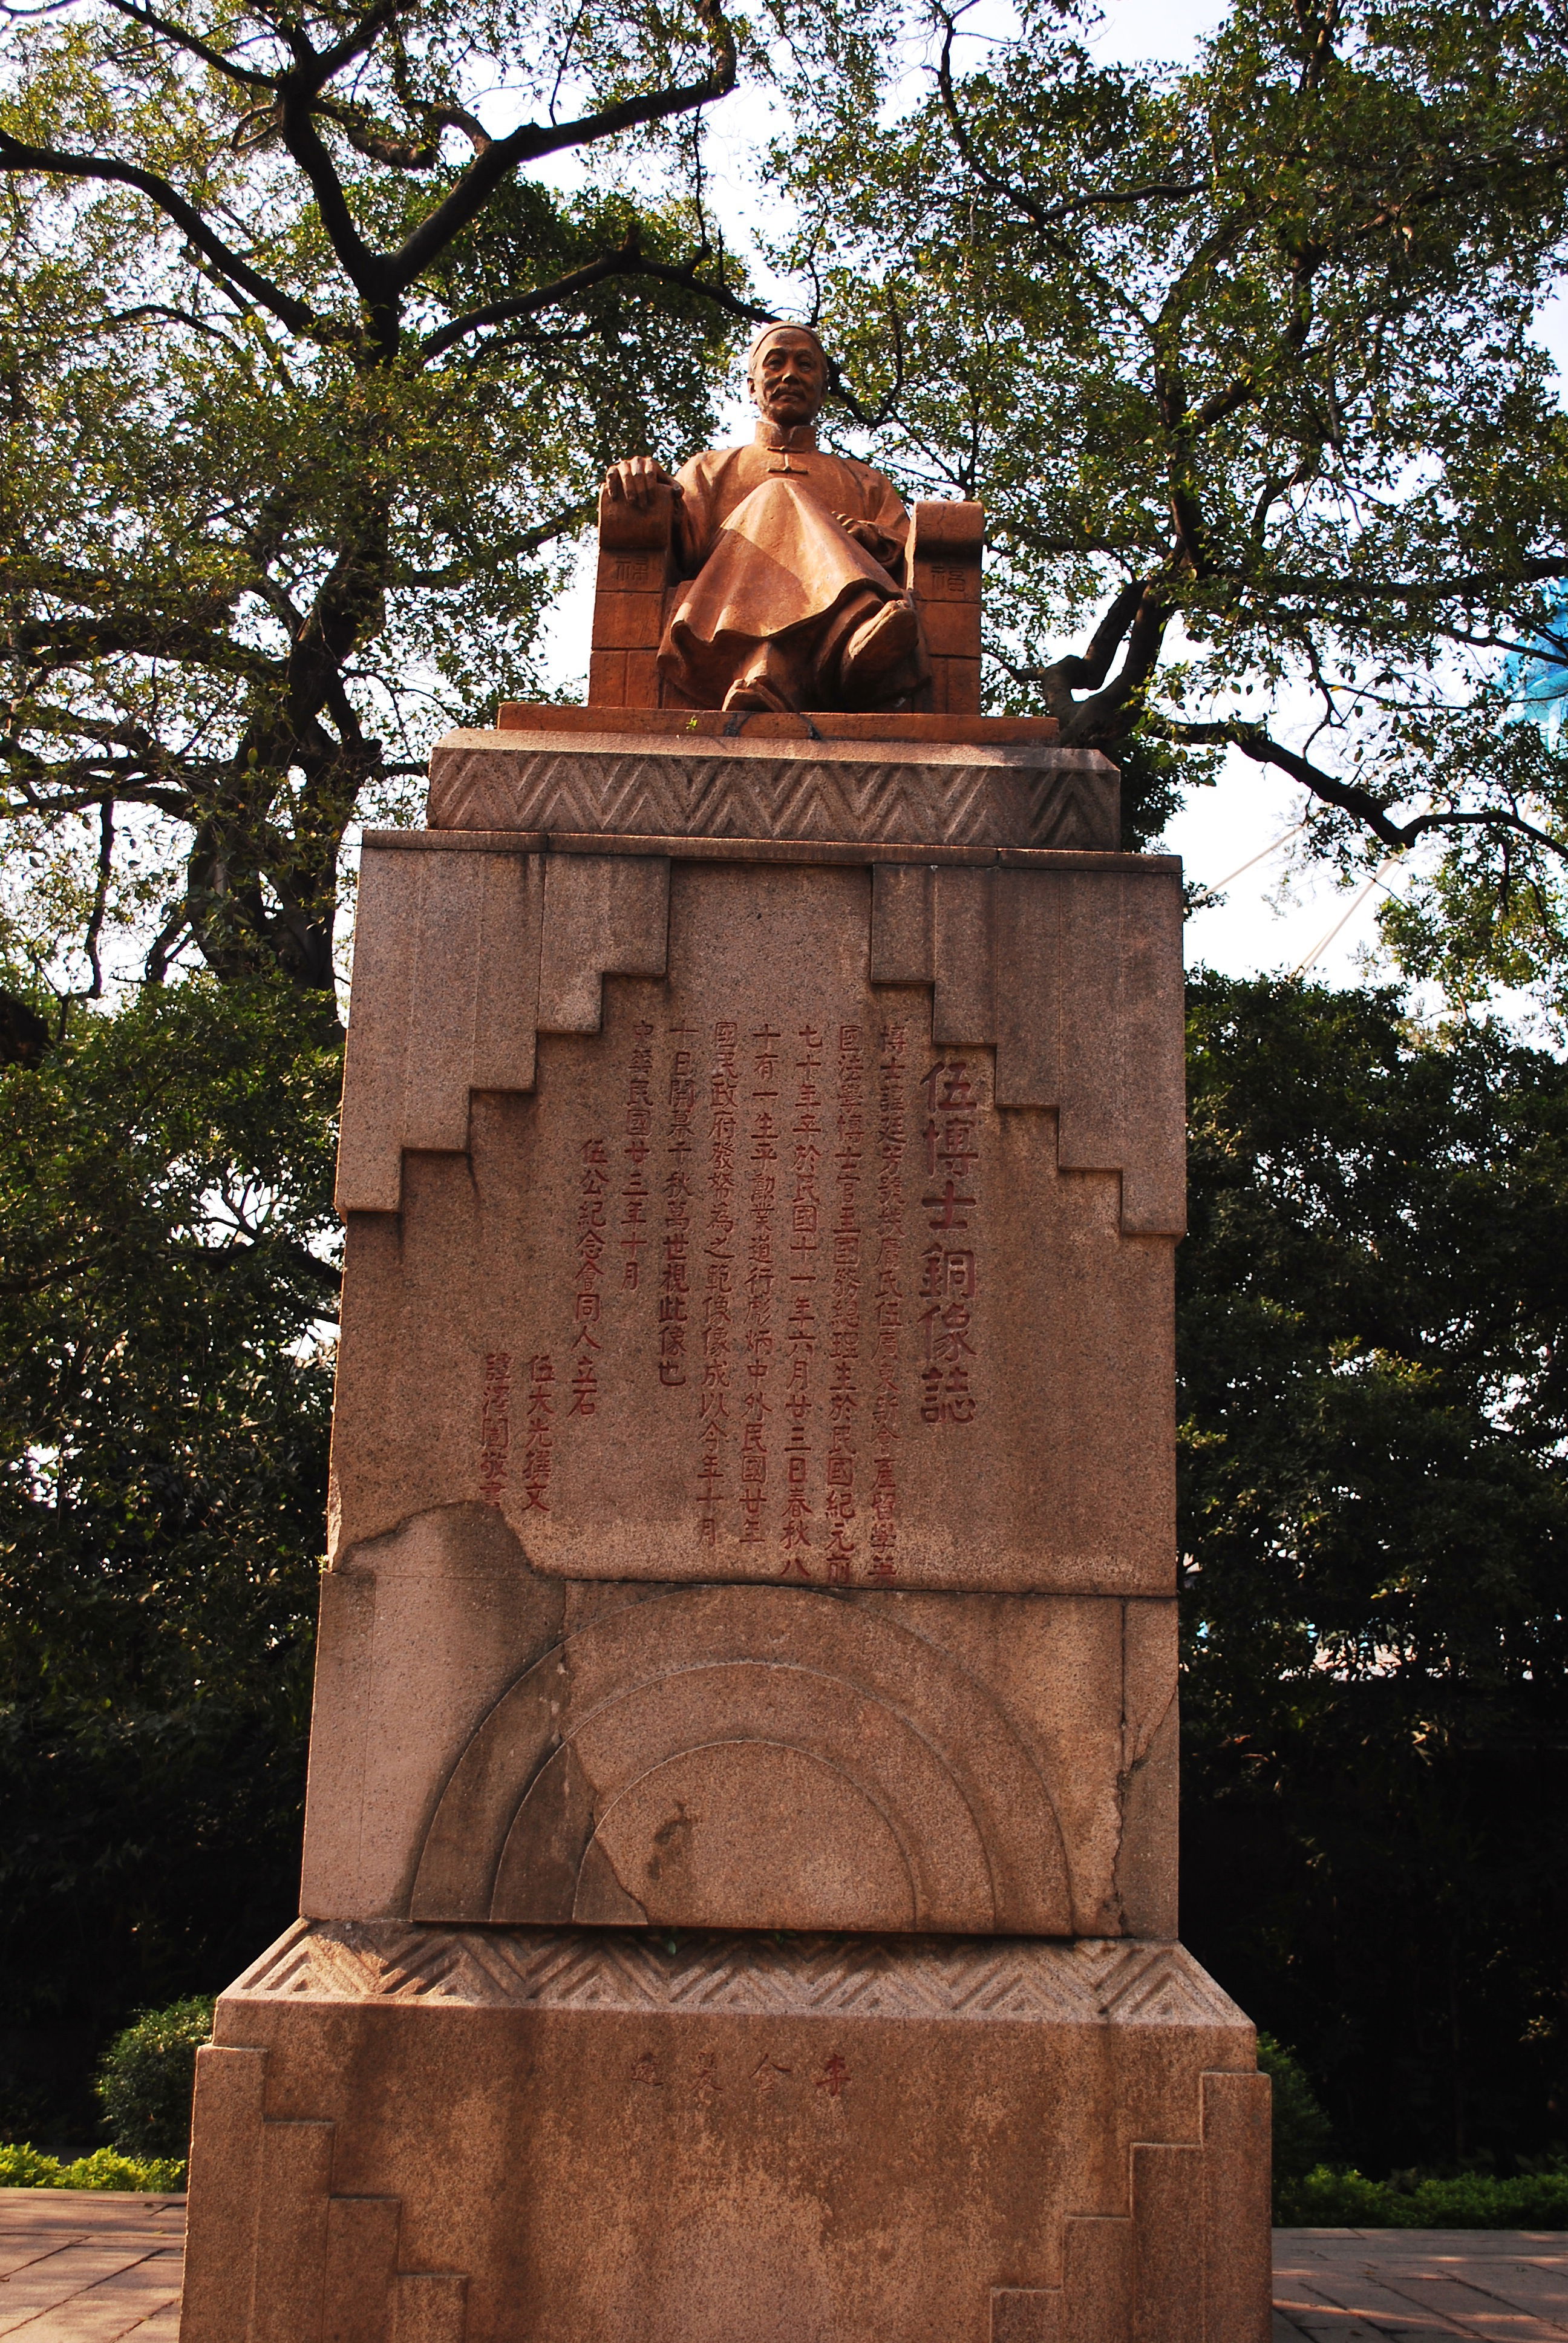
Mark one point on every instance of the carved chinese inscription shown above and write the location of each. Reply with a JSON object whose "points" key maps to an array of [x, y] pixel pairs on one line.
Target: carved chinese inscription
{"points": [[494, 1425], [777, 2083], [820, 1192], [590, 1247], [636, 1129], [775, 1292], [950, 1282], [539, 1454], [844, 1337], [762, 1277], [674, 1283], [805, 1248], [719, 1278], [888, 1304]]}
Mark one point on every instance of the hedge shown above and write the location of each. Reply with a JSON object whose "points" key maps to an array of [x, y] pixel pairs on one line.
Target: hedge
{"points": [[22, 2166], [1324, 2198]]}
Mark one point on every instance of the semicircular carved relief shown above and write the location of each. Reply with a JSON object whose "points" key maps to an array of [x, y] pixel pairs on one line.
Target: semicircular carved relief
{"points": [[747, 1757]]}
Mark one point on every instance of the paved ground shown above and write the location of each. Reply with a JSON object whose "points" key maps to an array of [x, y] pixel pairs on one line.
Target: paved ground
{"points": [[90, 2267], [1361, 2286], [87, 2266]]}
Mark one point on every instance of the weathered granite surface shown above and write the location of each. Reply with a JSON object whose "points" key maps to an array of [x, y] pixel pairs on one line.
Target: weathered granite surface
{"points": [[740, 1878], [560, 2135]]}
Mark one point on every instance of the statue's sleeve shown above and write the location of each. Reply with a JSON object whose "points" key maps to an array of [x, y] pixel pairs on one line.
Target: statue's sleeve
{"points": [[884, 508], [696, 516]]}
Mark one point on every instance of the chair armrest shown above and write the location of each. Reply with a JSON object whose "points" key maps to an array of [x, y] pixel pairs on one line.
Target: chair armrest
{"points": [[945, 545]]}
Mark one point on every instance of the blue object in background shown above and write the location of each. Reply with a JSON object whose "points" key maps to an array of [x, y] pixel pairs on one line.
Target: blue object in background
{"points": [[1537, 681]]}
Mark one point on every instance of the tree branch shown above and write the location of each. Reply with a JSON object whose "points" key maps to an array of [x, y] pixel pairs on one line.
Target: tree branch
{"points": [[1254, 742], [170, 31], [100, 899], [402, 154], [53, 643], [15, 155], [366, 271], [626, 262], [1407, 589], [523, 542], [531, 140]]}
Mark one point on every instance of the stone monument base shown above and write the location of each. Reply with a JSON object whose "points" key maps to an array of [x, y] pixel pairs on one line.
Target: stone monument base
{"points": [[429, 2135]]}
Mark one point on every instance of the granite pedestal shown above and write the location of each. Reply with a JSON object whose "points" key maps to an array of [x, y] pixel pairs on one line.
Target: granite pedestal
{"points": [[740, 1882]]}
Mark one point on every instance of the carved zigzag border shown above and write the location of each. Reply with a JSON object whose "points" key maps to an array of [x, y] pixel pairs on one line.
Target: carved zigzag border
{"points": [[733, 798], [1089, 1982]]}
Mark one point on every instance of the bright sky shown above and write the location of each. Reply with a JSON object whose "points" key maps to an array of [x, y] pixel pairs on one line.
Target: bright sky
{"points": [[1275, 916]]}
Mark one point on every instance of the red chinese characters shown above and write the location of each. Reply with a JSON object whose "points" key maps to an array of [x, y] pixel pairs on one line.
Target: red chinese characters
{"points": [[844, 1322], [763, 1192], [949, 1278], [835, 2074], [639, 1137], [587, 1313], [494, 1425], [539, 1454], [718, 1275], [800, 1329], [675, 1260], [887, 1297]]}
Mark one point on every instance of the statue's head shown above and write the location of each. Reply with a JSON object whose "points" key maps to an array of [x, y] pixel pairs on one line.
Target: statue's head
{"points": [[787, 374]]}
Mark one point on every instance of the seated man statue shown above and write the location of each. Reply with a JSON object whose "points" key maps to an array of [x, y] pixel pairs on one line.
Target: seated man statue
{"points": [[797, 595]]}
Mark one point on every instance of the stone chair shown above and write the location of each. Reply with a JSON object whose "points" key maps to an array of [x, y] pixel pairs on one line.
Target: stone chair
{"points": [[637, 579]]}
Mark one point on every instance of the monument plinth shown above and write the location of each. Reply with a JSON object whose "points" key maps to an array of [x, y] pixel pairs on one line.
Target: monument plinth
{"points": [[739, 1881]]}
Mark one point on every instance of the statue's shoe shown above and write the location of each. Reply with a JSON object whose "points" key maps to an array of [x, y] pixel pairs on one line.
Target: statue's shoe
{"points": [[752, 694], [887, 639]]}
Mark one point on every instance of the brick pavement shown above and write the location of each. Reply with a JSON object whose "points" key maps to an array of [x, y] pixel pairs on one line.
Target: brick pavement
{"points": [[91, 2267]]}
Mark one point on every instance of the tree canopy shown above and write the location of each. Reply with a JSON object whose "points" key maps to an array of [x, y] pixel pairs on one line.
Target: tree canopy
{"points": [[302, 371], [1240, 357], [168, 1260], [1374, 1431], [317, 330]]}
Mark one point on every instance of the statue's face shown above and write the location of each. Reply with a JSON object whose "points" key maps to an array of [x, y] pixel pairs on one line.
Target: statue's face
{"points": [[788, 379]]}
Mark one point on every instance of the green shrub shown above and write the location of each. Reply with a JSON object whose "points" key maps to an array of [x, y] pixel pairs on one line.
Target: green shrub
{"points": [[146, 2077], [1303, 2137], [1327, 2199], [27, 2167], [22, 2166]]}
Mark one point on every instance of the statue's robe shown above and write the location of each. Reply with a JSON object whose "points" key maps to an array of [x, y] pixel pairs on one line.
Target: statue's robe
{"points": [[778, 587]]}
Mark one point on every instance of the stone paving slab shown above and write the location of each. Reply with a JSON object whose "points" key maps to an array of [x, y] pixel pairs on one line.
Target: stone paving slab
{"points": [[1375, 2286], [87, 2266]]}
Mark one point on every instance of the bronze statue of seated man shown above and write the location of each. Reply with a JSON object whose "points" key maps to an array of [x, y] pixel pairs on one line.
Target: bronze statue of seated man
{"points": [[799, 588]]}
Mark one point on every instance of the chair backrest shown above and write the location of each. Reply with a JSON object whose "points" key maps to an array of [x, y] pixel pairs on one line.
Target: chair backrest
{"points": [[637, 575]]}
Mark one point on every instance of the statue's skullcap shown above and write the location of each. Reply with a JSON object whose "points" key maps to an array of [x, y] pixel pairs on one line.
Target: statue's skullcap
{"points": [[780, 326]]}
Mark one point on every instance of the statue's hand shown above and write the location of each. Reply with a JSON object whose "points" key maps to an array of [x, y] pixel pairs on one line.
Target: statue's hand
{"points": [[634, 481], [875, 541]]}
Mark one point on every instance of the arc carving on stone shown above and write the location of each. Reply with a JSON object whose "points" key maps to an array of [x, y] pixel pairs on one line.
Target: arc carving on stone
{"points": [[647, 1746]]}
